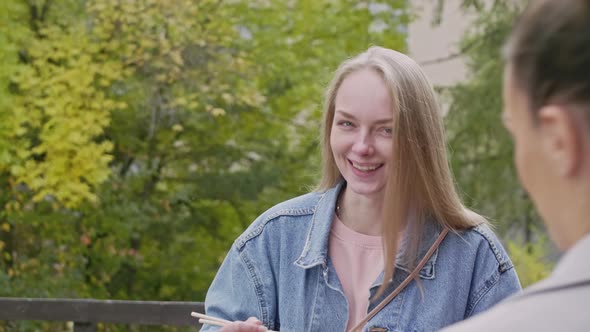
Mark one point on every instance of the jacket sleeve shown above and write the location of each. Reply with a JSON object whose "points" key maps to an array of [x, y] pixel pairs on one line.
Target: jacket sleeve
{"points": [[236, 293], [501, 286], [494, 277]]}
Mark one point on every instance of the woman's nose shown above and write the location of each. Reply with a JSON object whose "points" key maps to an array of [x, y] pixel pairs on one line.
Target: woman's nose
{"points": [[363, 144]]}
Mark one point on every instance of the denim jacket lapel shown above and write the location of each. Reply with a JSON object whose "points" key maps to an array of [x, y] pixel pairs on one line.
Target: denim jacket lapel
{"points": [[315, 250]]}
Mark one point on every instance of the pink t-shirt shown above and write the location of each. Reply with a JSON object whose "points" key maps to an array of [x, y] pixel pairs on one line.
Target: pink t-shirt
{"points": [[358, 260]]}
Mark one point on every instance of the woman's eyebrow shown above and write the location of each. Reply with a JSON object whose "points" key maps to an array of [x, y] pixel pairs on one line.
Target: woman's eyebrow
{"points": [[380, 121], [348, 115]]}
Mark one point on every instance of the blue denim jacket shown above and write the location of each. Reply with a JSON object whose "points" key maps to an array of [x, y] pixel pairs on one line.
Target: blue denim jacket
{"points": [[279, 271]]}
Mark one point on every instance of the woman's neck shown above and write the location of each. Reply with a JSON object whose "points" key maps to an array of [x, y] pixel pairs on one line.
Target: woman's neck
{"points": [[361, 213]]}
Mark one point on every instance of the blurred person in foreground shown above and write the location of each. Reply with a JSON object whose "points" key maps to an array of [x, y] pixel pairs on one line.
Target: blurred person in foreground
{"points": [[547, 111]]}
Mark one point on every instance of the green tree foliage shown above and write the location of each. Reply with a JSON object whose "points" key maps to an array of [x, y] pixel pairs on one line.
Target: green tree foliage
{"points": [[481, 148], [531, 259], [139, 138]]}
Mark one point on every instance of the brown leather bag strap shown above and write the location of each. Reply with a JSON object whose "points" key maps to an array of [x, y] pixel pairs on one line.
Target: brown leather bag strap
{"points": [[403, 285]]}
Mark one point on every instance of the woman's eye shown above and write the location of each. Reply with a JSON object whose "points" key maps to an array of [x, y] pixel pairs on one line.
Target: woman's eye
{"points": [[345, 123], [387, 131]]}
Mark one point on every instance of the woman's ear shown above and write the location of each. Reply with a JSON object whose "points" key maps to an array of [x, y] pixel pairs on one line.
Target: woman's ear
{"points": [[561, 139]]}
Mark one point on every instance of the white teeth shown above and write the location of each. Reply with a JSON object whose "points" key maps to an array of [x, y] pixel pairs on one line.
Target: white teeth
{"points": [[365, 168]]}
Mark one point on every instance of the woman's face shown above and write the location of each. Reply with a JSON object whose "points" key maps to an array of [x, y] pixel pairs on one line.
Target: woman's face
{"points": [[361, 136], [531, 156]]}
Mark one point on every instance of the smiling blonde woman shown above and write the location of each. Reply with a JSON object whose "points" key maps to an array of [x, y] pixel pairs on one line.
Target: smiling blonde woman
{"points": [[384, 243]]}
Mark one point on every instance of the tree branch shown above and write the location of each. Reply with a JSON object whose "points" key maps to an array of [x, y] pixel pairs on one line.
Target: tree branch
{"points": [[455, 55], [466, 48]]}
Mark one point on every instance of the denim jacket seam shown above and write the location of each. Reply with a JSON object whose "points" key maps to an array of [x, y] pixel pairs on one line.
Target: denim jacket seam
{"points": [[481, 293], [291, 212], [317, 292], [503, 261], [257, 288], [403, 299]]}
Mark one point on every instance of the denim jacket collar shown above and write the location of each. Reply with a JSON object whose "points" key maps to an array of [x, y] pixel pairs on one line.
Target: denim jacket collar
{"points": [[315, 250]]}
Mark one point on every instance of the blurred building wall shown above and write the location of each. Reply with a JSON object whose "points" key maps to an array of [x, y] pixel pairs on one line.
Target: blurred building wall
{"points": [[428, 43]]}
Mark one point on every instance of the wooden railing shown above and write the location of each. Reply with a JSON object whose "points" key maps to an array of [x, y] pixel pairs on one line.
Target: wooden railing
{"points": [[85, 314]]}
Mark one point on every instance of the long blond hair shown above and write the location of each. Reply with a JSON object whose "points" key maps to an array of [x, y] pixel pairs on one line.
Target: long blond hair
{"points": [[420, 186]]}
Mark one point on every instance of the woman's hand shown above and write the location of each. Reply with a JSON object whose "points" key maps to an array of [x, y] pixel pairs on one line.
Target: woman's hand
{"points": [[252, 324]]}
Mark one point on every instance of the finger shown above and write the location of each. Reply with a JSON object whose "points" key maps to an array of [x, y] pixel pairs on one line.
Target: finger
{"points": [[254, 320], [248, 327]]}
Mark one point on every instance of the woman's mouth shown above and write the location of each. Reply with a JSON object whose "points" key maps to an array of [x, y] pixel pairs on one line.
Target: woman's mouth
{"points": [[365, 167]]}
